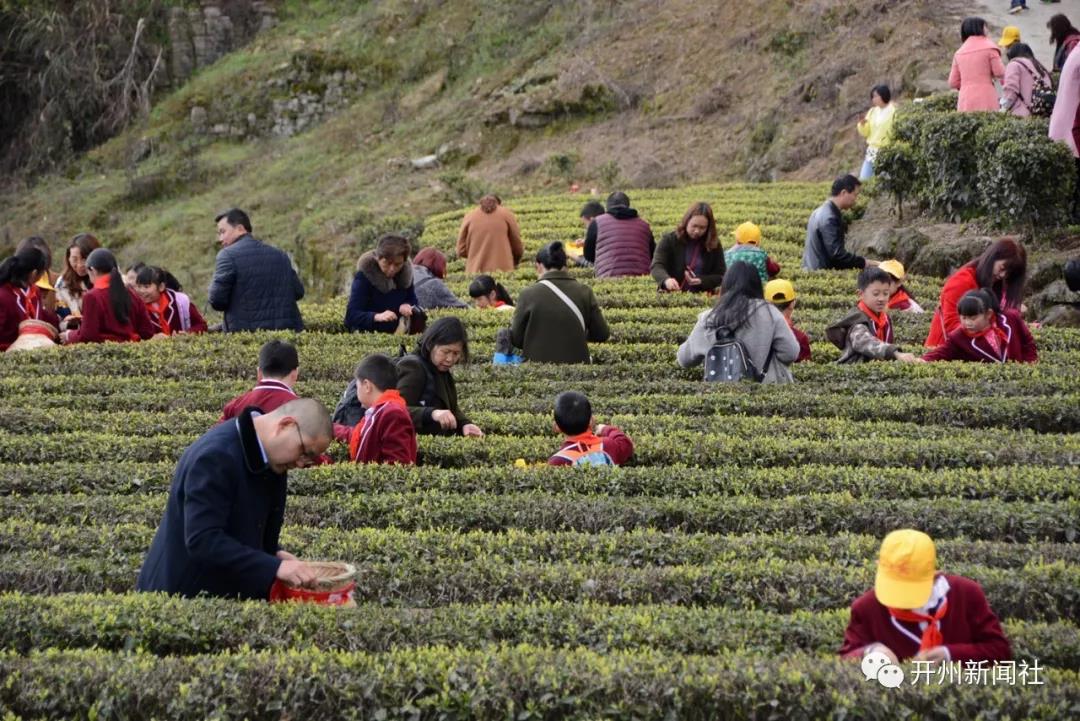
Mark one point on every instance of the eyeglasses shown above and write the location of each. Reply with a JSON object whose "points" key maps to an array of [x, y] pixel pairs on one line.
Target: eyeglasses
{"points": [[304, 453]]}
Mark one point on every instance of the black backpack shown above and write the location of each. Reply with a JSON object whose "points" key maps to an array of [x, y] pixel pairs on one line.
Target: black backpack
{"points": [[729, 362], [1043, 96]]}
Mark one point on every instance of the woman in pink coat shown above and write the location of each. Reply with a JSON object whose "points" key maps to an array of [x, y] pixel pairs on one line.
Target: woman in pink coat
{"points": [[1065, 120], [1020, 76], [974, 67]]}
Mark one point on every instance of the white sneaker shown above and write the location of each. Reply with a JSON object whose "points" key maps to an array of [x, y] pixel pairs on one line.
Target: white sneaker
{"points": [[1014, 10]]}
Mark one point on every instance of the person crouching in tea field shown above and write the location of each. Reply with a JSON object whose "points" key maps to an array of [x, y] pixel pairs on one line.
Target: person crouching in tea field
{"points": [[170, 309], [587, 444], [20, 298], [385, 434], [915, 611], [866, 333], [110, 310], [219, 534], [986, 334]]}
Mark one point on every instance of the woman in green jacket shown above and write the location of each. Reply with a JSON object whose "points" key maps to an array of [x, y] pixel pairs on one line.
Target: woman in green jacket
{"points": [[556, 318]]}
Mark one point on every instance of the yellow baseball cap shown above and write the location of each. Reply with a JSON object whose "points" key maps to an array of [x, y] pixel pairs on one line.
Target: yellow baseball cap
{"points": [[1010, 34], [894, 268], [779, 291], [43, 282], [906, 568], [748, 234]]}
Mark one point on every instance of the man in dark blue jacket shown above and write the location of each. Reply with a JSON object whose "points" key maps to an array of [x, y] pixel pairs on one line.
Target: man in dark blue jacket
{"points": [[254, 284], [219, 534]]}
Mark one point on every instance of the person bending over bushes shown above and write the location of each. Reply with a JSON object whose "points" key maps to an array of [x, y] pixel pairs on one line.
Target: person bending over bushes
{"points": [[429, 273], [171, 310], [866, 333], [382, 289], [219, 534], [427, 385], [986, 334], [607, 446], [110, 310], [385, 434], [914, 611], [486, 292], [899, 297], [748, 249], [1002, 267]]}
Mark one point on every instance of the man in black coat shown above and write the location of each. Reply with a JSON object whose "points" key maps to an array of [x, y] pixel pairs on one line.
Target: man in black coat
{"points": [[219, 534], [825, 232], [254, 284]]}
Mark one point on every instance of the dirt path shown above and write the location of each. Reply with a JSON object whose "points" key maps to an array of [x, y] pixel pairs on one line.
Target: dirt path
{"points": [[1032, 22]]}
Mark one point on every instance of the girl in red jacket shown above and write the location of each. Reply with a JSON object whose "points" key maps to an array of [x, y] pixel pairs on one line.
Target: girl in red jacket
{"points": [[170, 310], [110, 310], [20, 298], [1002, 268], [986, 335]]}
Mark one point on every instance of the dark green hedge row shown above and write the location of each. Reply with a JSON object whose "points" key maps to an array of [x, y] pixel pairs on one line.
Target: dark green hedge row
{"points": [[1037, 592], [163, 625], [637, 548], [842, 443], [987, 519], [1003, 483], [520, 682]]}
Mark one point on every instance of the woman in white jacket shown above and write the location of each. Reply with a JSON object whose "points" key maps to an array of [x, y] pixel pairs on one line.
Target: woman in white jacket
{"points": [[756, 323]]}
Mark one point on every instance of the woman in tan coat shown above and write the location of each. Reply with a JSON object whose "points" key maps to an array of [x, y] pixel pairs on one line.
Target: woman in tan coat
{"points": [[489, 239]]}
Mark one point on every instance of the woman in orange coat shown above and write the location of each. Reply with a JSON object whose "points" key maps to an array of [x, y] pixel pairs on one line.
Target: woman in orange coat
{"points": [[489, 239], [1002, 268]]}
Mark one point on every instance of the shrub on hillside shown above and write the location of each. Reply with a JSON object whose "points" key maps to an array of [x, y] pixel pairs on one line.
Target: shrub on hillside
{"points": [[967, 165]]}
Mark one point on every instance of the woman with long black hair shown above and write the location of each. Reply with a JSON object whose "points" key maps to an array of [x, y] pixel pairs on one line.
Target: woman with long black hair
{"points": [[756, 323], [110, 310], [20, 298]]}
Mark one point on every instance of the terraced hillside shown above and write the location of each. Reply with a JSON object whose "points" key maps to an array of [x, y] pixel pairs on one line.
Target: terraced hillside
{"points": [[707, 579]]}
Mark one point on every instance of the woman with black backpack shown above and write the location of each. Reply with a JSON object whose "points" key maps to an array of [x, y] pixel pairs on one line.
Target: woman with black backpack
{"points": [[1028, 85], [742, 336]]}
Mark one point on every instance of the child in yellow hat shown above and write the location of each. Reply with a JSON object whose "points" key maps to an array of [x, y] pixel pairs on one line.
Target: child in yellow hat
{"points": [[748, 249], [899, 297], [781, 293], [915, 611]]}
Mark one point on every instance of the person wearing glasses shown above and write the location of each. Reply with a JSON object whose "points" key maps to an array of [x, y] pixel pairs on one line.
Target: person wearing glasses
{"points": [[219, 534]]}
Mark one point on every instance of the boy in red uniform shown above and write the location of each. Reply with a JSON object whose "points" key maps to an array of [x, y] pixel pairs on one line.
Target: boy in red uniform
{"points": [[385, 434], [986, 334], [608, 446], [279, 367], [915, 612], [781, 293]]}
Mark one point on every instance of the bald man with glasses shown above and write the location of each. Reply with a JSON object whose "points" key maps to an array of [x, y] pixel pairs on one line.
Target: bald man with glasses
{"points": [[219, 534]]}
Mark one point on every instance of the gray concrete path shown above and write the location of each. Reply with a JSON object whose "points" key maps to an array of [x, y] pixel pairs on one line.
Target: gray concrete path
{"points": [[1032, 22]]}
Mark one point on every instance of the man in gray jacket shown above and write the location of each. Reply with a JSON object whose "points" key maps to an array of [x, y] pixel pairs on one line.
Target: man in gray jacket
{"points": [[254, 284], [825, 232]]}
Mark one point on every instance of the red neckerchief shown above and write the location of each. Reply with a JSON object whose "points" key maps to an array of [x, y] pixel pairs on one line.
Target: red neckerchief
{"points": [[496, 304], [28, 301], [882, 324], [586, 440], [356, 437], [931, 637], [900, 299], [159, 315], [102, 283], [994, 335]]}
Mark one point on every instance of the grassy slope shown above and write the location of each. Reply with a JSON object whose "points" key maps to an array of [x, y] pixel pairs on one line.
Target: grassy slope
{"points": [[787, 94]]}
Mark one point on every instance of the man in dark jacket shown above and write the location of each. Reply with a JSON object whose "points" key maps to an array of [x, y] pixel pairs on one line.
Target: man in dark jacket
{"points": [[825, 232], [254, 284], [618, 242], [219, 534]]}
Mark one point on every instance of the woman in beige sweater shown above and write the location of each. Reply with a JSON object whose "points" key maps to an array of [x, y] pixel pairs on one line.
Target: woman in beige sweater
{"points": [[489, 239]]}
